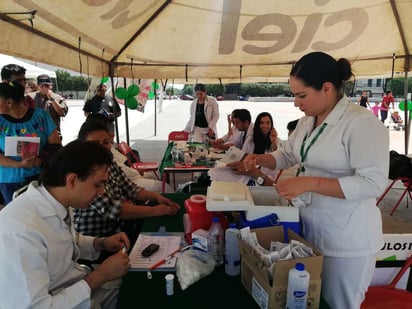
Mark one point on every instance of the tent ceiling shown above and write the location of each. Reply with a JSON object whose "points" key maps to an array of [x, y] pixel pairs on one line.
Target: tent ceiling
{"points": [[209, 39]]}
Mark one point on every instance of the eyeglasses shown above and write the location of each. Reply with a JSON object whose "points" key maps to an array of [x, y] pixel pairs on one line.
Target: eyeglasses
{"points": [[45, 86]]}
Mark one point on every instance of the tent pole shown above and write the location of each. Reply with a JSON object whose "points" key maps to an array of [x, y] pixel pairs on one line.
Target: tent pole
{"points": [[406, 112], [126, 115], [155, 108]]}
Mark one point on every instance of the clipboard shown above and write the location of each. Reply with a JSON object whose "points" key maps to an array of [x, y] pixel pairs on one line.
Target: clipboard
{"points": [[168, 242]]}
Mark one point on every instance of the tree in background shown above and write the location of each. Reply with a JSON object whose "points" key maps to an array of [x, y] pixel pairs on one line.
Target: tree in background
{"points": [[397, 86], [67, 83]]}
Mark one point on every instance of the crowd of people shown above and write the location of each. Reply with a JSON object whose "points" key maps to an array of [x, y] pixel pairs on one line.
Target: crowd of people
{"points": [[82, 205]]}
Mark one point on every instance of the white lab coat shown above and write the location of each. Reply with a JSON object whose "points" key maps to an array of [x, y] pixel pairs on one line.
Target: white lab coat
{"points": [[354, 148], [36, 254], [211, 114]]}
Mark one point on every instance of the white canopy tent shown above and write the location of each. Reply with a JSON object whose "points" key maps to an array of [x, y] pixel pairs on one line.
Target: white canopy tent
{"points": [[208, 41], [32, 71]]}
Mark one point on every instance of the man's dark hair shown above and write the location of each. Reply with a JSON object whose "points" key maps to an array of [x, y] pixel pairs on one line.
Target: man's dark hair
{"points": [[200, 87], [242, 114], [292, 125], [99, 117], [91, 126], [78, 157], [100, 86], [11, 69]]}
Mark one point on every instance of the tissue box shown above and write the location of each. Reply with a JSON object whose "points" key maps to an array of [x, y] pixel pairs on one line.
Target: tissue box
{"points": [[200, 239], [256, 281]]}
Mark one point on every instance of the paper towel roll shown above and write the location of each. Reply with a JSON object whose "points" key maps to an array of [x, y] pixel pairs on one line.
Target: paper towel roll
{"points": [[198, 199]]}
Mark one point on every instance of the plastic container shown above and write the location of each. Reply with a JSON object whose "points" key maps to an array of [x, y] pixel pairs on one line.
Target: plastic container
{"points": [[232, 253], [216, 241], [298, 285]]}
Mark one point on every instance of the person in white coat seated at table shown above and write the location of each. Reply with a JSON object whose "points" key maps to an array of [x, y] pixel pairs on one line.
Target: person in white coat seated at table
{"points": [[40, 247], [233, 137], [204, 114]]}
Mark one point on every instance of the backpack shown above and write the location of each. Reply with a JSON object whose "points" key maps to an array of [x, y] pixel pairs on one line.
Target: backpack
{"points": [[399, 165]]}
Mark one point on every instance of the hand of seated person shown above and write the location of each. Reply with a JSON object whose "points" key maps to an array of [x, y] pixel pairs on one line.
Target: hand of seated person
{"points": [[169, 202], [164, 210], [116, 242], [114, 267]]}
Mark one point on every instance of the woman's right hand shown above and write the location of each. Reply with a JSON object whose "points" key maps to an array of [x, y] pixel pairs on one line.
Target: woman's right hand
{"points": [[30, 162]]}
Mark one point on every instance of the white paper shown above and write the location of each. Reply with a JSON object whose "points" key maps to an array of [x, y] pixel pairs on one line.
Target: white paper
{"points": [[22, 146], [233, 154], [167, 245]]}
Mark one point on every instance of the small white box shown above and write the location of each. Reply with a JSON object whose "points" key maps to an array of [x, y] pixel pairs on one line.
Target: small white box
{"points": [[266, 201], [200, 239], [228, 196]]}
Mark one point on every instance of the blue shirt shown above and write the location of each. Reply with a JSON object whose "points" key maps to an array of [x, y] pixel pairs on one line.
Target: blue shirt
{"points": [[35, 123]]}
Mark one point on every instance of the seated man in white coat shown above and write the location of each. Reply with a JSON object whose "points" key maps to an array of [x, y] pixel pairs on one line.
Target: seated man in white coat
{"points": [[39, 246]]}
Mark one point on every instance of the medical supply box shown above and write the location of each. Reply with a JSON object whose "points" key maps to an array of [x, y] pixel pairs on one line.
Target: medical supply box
{"points": [[255, 278], [261, 206]]}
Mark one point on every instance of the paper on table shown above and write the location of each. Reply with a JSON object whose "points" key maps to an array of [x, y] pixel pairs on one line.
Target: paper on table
{"points": [[233, 154], [23, 146], [167, 245]]}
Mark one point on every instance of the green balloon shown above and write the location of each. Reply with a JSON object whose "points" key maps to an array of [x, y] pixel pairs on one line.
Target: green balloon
{"points": [[402, 105], [104, 79], [131, 102], [155, 86], [151, 95], [133, 90], [121, 93]]}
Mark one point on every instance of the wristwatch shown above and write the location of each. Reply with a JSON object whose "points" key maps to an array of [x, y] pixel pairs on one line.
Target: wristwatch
{"points": [[260, 180]]}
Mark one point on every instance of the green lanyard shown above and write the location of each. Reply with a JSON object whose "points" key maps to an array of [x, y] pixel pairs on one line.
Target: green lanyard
{"points": [[303, 152]]}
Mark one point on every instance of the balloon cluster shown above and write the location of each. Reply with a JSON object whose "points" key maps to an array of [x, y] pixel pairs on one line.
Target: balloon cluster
{"points": [[128, 95], [402, 105]]}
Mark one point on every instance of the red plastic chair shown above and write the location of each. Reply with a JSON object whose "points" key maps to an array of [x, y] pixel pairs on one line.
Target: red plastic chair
{"points": [[126, 150], [407, 182], [388, 296], [178, 136]]}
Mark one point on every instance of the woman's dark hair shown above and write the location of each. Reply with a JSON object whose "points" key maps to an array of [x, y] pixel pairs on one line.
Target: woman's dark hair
{"points": [[262, 142], [316, 68], [91, 126], [78, 157], [200, 87], [12, 90]]}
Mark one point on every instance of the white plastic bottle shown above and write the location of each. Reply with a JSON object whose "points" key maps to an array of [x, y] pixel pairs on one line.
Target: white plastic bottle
{"points": [[298, 285], [232, 253], [216, 241]]}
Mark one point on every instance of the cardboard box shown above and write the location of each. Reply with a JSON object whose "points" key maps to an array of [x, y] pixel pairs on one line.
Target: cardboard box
{"points": [[255, 278]]}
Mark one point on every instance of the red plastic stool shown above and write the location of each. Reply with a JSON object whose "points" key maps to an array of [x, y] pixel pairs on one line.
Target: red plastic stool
{"points": [[388, 296]]}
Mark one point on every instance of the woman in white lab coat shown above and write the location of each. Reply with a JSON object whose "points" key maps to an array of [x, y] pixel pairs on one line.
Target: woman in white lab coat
{"points": [[342, 150]]}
